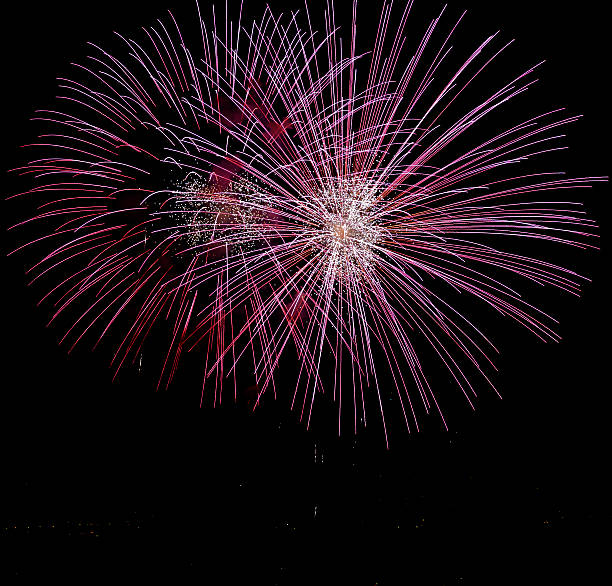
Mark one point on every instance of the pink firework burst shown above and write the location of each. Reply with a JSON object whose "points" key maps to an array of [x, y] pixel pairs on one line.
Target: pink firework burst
{"points": [[275, 194]]}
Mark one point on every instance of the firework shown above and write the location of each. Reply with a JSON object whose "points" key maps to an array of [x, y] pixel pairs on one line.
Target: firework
{"points": [[280, 194]]}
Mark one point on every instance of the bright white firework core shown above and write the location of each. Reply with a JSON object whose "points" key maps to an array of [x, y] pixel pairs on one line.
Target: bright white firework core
{"points": [[351, 232]]}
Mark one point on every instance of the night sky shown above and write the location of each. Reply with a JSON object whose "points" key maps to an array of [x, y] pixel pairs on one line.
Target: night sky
{"points": [[113, 479]]}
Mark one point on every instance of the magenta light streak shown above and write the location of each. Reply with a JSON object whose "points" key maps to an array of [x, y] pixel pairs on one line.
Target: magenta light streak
{"points": [[278, 194]]}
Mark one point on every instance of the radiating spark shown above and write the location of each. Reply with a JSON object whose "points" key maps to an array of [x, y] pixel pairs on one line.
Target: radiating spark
{"points": [[264, 200]]}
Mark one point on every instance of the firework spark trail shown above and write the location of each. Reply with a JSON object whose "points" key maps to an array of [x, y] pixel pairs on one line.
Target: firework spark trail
{"points": [[261, 198]]}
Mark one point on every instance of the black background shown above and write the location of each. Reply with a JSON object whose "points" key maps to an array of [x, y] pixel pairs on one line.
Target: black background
{"points": [[115, 479]]}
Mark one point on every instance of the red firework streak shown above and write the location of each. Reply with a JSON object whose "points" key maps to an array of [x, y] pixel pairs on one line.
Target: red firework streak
{"points": [[261, 199]]}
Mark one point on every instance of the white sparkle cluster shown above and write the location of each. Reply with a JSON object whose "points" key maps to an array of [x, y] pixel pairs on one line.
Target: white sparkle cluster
{"points": [[351, 232]]}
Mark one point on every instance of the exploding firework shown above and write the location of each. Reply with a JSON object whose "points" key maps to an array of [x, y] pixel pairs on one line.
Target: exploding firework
{"points": [[274, 193]]}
